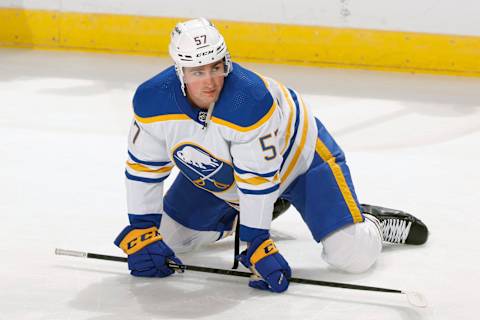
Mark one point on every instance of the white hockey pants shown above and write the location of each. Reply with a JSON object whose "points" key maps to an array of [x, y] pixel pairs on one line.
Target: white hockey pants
{"points": [[354, 248]]}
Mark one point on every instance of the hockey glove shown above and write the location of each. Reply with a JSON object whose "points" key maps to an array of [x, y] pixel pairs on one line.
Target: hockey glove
{"points": [[271, 271], [148, 255]]}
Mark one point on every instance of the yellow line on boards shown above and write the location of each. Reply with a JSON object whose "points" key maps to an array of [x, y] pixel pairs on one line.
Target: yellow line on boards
{"points": [[259, 42]]}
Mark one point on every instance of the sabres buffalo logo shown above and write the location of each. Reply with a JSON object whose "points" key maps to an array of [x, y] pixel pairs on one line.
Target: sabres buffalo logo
{"points": [[202, 168]]}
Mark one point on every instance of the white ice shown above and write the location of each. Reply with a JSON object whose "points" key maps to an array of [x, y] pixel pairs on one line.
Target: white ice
{"points": [[412, 143]]}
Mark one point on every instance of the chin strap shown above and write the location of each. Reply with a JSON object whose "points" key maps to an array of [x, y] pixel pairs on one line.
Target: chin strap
{"points": [[209, 115]]}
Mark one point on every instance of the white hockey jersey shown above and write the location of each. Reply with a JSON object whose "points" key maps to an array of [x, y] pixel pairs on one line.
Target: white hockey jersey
{"points": [[259, 139]]}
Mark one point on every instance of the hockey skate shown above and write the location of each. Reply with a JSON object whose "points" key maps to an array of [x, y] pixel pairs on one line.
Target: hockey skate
{"points": [[280, 206], [397, 227]]}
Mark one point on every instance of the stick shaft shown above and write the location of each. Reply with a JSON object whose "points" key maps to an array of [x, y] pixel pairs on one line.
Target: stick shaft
{"points": [[106, 257], [228, 272]]}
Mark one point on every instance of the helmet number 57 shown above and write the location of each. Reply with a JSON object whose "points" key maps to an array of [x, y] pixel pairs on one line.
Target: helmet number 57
{"points": [[200, 39]]}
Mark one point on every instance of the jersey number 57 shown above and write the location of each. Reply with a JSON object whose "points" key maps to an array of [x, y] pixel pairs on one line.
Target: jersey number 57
{"points": [[268, 148]]}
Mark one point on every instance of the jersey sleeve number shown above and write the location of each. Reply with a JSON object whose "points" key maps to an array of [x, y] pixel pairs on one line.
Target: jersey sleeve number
{"points": [[269, 148], [135, 136]]}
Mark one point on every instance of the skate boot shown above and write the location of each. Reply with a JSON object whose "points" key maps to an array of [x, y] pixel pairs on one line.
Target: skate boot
{"points": [[280, 206], [396, 226]]}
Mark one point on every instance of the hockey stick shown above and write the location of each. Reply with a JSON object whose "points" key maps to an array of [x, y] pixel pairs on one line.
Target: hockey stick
{"points": [[414, 298]]}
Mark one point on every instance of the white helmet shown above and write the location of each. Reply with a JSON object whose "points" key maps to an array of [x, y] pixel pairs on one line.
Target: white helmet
{"points": [[196, 43]]}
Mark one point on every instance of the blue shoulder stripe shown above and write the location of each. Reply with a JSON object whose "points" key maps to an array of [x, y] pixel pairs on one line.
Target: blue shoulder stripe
{"points": [[141, 179], [295, 130], [265, 191], [155, 97], [245, 102], [264, 175], [148, 163]]}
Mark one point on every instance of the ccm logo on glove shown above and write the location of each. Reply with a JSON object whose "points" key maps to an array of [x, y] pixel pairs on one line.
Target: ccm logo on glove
{"points": [[265, 249], [139, 238]]}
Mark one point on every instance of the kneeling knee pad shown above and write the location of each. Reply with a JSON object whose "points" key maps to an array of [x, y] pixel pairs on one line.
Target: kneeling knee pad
{"points": [[354, 248]]}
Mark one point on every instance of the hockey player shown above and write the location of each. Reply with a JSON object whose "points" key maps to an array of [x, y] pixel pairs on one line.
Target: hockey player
{"points": [[241, 141]]}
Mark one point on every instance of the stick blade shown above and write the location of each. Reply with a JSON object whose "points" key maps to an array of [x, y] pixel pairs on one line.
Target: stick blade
{"points": [[416, 299]]}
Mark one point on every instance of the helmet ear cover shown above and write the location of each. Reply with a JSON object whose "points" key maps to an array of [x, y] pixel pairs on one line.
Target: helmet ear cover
{"points": [[196, 43]]}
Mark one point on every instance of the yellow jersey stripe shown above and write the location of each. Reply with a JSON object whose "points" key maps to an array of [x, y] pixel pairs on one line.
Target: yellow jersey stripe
{"points": [[265, 82], [162, 118], [255, 180], [142, 168], [327, 156], [290, 117], [300, 147], [249, 128]]}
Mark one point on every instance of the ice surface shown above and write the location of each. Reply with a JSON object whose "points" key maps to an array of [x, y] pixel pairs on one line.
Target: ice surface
{"points": [[412, 143]]}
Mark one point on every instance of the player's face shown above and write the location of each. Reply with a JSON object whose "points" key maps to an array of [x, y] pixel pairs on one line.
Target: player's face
{"points": [[204, 83]]}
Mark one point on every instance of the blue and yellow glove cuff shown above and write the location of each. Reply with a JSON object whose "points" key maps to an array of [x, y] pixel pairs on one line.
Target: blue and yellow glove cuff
{"points": [[131, 240], [265, 249]]}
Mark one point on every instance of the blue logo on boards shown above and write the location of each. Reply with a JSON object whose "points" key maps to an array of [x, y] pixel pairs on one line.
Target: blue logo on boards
{"points": [[202, 168]]}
